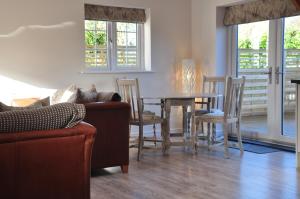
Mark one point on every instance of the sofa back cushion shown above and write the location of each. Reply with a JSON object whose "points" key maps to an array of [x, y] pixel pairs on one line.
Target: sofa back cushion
{"points": [[64, 115], [108, 97], [73, 94], [83, 97]]}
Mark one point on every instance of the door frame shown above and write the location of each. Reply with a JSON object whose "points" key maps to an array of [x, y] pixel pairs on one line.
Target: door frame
{"points": [[275, 55]]}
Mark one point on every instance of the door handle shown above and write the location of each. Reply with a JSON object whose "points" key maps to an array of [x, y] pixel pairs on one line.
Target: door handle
{"points": [[269, 73], [277, 73]]}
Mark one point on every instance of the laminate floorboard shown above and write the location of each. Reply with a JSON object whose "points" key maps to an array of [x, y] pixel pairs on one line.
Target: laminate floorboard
{"points": [[206, 175]]}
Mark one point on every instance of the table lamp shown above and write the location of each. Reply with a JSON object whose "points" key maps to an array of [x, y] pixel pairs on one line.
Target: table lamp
{"points": [[188, 75]]}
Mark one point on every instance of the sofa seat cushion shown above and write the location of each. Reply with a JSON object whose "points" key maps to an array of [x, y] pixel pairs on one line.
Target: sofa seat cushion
{"points": [[64, 115]]}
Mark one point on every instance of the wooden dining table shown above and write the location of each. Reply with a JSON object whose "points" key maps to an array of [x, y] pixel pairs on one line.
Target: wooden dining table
{"points": [[184, 101]]}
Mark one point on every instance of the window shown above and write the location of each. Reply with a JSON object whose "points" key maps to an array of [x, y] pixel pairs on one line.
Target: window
{"points": [[114, 46]]}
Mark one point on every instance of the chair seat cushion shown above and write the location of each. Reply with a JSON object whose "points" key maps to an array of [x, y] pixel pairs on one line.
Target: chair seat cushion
{"points": [[199, 112], [217, 116], [148, 118]]}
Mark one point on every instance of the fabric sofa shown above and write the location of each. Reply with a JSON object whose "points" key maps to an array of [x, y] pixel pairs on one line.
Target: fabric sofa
{"points": [[46, 164], [111, 147]]}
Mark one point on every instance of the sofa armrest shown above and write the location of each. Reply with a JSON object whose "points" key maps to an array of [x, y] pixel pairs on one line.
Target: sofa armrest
{"points": [[111, 120], [47, 164], [82, 128]]}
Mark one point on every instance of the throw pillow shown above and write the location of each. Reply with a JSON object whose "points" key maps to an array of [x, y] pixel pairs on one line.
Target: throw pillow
{"points": [[64, 95], [83, 97], [64, 115], [42, 102], [108, 97]]}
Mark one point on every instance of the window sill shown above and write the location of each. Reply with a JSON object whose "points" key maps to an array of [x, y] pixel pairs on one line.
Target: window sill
{"points": [[114, 72]]}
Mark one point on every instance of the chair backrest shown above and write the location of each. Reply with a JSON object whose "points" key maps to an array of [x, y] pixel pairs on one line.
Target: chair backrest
{"points": [[234, 97], [130, 93], [215, 85]]}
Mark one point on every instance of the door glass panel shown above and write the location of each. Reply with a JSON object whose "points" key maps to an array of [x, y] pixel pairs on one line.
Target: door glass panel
{"points": [[253, 44], [291, 67]]}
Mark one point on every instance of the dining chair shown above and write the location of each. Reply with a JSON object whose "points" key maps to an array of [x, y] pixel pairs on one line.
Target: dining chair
{"points": [[211, 85], [130, 93], [214, 85], [232, 111]]}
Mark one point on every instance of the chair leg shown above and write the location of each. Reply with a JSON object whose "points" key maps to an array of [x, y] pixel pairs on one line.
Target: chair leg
{"points": [[239, 136], [225, 131], [213, 137], [140, 143], [124, 168], [154, 134], [208, 136], [189, 124]]}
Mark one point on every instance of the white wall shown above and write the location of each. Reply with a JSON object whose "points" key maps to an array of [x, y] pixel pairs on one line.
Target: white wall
{"points": [[42, 45], [42, 42], [209, 36]]}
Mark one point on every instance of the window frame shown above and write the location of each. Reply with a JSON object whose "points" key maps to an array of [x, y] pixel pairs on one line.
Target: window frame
{"points": [[112, 65]]}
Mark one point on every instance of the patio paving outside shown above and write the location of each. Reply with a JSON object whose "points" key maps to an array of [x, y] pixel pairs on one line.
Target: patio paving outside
{"points": [[259, 124]]}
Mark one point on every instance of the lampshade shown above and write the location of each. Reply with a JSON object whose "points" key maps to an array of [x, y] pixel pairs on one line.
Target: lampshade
{"points": [[188, 75]]}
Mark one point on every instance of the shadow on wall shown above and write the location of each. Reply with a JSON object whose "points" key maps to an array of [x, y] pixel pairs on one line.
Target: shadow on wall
{"points": [[22, 29]]}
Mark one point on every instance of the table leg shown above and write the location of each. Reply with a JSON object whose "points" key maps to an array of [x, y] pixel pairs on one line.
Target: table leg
{"points": [[185, 125], [166, 131], [208, 104], [193, 129], [162, 105]]}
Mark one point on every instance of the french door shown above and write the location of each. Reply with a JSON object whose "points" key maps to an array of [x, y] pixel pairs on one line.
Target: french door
{"points": [[268, 54]]}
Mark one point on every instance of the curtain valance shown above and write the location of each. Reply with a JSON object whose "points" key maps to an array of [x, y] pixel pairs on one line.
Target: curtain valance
{"points": [[261, 10], [119, 14]]}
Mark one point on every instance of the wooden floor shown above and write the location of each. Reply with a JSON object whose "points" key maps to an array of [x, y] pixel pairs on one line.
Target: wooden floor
{"points": [[206, 175]]}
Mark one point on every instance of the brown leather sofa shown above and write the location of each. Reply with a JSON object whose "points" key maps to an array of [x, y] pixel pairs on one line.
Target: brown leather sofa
{"points": [[111, 147], [46, 164]]}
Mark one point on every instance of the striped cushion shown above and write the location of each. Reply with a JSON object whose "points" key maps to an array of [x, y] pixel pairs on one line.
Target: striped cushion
{"points": [[64, 115]]}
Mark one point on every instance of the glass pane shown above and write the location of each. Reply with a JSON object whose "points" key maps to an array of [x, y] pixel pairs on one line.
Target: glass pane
{"points": [[291, 63], [96, 44], [131, 39], [127, 44], [131, 27], [101, 57], [101, 39], [121, 26], [90, 58], [121, 39], [90, 25], [90, 41], [253, 63], [101, 25]]}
